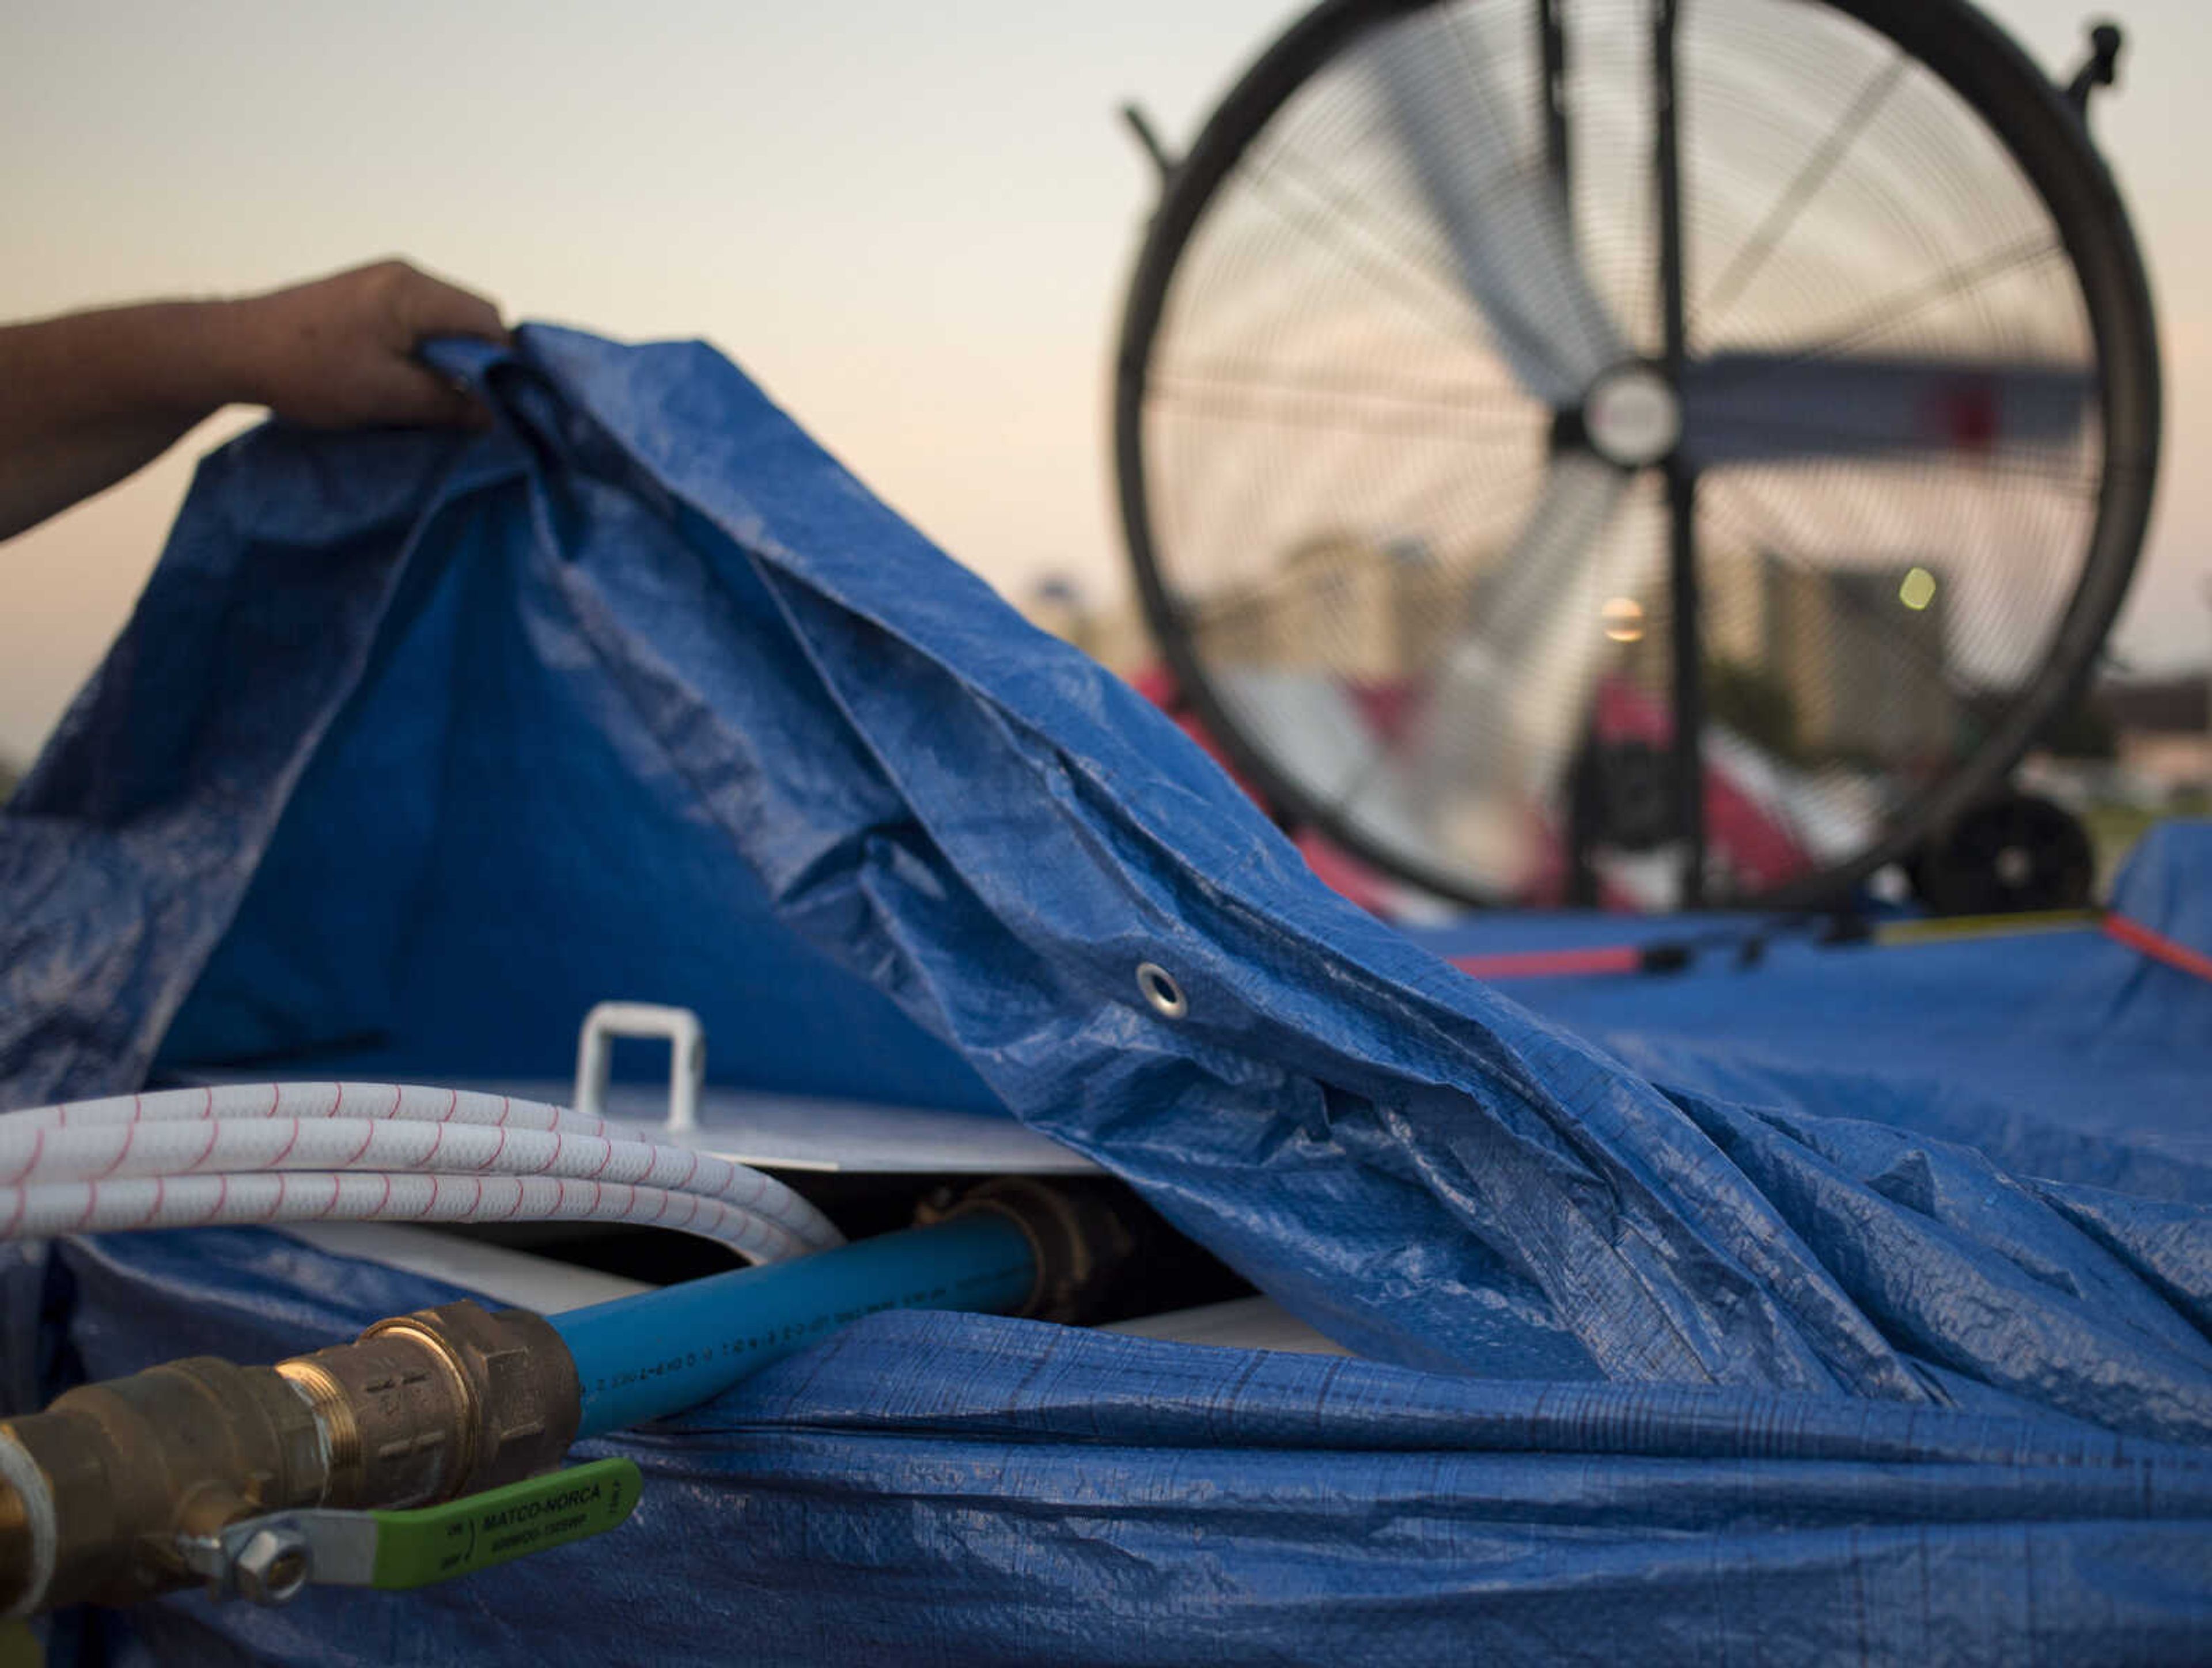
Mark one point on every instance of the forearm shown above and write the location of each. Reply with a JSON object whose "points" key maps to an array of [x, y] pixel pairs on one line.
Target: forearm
{"points": [[85, 400], [46, 476]]}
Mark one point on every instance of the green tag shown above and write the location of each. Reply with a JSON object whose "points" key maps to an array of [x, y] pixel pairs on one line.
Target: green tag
{"points": [[437, 1543]]}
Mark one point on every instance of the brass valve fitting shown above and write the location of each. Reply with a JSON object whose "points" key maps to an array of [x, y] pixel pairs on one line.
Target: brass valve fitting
{"points": [[97, 1491]]}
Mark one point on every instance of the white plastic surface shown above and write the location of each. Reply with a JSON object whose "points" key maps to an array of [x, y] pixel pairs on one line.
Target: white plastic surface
{"points": [[792, 1132], [687, 1056]]}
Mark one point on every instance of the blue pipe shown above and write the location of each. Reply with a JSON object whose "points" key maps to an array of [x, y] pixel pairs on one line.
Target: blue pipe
{"points": [[644, 1357]]}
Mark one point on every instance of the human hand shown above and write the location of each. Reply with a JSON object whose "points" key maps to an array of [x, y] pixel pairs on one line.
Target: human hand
{"points": [[339, 353]]}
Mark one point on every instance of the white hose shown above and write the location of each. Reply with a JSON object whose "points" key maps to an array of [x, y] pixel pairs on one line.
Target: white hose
{"points": [[408, 1102], [229, 1145], [114, 1161], [46, 1208]]}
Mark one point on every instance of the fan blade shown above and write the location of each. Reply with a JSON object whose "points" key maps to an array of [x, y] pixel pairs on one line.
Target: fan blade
{"points": [[1309, 725], [1464, 785], [1756, 408], [1507, 706], [1503, 215]]}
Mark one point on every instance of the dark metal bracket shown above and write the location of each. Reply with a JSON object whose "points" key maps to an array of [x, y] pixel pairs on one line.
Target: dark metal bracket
{"points": [[2101, 68], [1132, 115]]}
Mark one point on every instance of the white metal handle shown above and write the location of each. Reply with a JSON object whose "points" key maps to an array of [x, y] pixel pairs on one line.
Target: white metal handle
{"points": [[687, 1056]]}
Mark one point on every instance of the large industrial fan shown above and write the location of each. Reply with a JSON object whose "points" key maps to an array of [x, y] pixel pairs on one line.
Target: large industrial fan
{"points": [[1657, 452]]}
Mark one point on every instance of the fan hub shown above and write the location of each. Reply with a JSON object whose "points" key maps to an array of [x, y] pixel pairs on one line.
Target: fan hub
{"points": [[1632, 418]]}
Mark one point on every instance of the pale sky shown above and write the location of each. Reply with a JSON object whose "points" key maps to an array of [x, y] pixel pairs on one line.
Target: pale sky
{"points": [[912, 222]]}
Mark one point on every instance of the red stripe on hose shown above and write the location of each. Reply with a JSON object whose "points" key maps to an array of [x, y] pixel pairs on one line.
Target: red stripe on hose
{"points": [[130, 1134], [38, 1146], [2159, 948], [1552, 964]]}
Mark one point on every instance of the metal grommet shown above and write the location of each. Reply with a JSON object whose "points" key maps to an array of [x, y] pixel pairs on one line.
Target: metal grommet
{"points": [[1161, 989]]}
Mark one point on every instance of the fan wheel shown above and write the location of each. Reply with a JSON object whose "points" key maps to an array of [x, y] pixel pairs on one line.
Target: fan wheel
{"points": [[1507, 384]]}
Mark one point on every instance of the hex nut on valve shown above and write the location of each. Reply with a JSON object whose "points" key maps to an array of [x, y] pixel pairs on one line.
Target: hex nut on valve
{"points": [[272, 1566]]}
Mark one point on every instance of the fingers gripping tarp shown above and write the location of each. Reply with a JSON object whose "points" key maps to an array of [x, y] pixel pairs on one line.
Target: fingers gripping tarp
{"points": [[417, 747]]}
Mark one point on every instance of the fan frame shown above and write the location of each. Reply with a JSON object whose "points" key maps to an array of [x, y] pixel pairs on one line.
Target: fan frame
{"points": [[2031, 119]]}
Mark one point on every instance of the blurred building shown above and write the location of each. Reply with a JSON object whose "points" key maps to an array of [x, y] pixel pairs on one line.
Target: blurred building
{"points": [[1857, 654], [2162, 730], [1817, 664], [1364, 612], [1112, 633]]}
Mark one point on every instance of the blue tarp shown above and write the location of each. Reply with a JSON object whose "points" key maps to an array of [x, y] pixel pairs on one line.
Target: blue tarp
{"points": [[1858, 1305]]}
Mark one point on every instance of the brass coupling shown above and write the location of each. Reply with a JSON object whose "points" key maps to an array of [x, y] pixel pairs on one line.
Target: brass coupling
{"points": [[1076, 1238], [97, 1492], [438, 1404]]}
